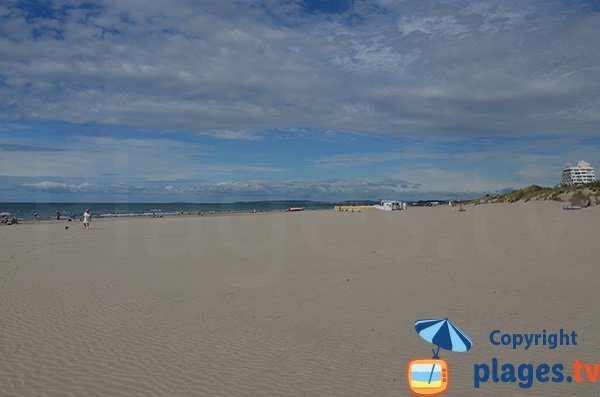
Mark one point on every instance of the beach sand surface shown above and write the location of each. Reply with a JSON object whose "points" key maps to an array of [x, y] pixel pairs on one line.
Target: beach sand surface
{"points": [[317, 303]]}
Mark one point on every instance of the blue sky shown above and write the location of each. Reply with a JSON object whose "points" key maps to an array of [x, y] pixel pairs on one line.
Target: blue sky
{"points": [[323, 100]]}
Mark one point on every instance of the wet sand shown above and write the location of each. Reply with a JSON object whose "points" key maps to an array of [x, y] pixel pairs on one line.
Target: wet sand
{"points": [[292, 304]]}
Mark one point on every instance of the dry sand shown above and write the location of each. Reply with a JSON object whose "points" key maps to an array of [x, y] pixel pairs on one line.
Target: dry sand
{"points": [[300, 304]]}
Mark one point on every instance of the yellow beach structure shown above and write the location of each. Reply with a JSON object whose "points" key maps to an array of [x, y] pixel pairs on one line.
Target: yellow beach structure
{"points": [[353, 208]]}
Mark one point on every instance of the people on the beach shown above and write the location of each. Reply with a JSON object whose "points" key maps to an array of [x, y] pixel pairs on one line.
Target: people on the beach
{"points": [[86, 219], [35, 216], [57, 215]]}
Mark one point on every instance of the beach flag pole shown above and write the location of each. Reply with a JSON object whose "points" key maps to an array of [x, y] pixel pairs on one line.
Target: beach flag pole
{"points": [[435, 355]]}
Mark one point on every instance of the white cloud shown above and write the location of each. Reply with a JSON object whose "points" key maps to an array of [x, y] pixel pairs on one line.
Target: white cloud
{"points": [[88, 157], [335, 189], [259, 70], [11, 127], [440, 180], [228, 68], [224, 191], [446, 26], [59, 186]]}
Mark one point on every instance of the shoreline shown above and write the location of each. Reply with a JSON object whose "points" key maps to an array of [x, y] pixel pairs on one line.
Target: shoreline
{"points": [[163, 216], [213, 214]]}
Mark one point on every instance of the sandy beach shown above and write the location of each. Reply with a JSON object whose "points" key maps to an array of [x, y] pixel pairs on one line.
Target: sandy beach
{"points": [[316, 303]]}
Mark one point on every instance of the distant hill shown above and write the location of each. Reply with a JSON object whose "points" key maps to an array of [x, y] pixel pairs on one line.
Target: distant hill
{"points": [[584, 195]]}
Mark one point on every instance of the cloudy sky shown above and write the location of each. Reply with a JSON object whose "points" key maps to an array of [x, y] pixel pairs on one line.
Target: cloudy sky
{"points": [[218, 100]]}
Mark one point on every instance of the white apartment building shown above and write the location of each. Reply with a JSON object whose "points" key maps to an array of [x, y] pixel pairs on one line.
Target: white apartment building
{"points": [[583, 172]]}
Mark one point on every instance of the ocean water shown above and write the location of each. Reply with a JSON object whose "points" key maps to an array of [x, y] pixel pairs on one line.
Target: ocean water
{"points": [[25, 211]]}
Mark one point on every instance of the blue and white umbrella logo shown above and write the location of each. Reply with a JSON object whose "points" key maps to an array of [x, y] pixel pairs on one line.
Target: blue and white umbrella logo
{"points": [[442, 333]]}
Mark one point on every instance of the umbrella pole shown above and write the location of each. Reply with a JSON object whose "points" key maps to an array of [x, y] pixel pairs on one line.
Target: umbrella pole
{"points": [[435, 355]]}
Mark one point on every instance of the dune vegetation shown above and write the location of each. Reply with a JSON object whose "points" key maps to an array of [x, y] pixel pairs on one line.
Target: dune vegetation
{"points": [[584, 195]]}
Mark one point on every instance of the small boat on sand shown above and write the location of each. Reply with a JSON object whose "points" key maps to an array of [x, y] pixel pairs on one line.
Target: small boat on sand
{"points": [[295, 209]]}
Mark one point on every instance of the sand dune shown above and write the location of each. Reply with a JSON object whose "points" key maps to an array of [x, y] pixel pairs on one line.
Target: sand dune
{"points": [[314, 303]]}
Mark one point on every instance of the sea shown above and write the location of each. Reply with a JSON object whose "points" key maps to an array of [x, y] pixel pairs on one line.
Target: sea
{"points": [[26, 211]]}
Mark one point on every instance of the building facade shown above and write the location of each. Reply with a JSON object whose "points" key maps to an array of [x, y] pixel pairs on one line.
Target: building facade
{"points": [[583, 172]]}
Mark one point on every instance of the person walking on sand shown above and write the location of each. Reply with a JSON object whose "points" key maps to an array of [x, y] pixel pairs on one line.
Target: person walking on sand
{"points": [[86, 219]]}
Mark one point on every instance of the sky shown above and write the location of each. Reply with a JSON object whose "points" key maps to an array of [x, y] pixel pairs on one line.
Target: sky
{"points": [[212, 101]]}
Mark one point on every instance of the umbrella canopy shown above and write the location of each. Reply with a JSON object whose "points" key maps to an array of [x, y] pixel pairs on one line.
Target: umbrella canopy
{"points": [[442, 333]]}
